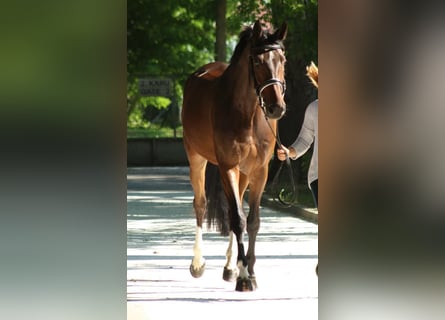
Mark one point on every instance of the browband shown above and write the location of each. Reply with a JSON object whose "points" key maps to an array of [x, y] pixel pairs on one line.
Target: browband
{"points": [[266, 48]]}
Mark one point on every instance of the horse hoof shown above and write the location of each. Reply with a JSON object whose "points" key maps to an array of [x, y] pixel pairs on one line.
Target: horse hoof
{"points": [[253, 280], [230, 275], [196, 273], [244, 285]]}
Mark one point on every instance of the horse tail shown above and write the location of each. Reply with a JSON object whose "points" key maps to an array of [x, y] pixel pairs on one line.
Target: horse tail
{"points": [[312, 73], [217, 204]]}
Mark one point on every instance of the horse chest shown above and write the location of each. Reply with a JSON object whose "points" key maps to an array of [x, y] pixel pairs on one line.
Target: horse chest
{"points": [[248, 153]]}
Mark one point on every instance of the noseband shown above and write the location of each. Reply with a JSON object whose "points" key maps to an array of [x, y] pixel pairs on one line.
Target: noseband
{"points": [[270, 82]]}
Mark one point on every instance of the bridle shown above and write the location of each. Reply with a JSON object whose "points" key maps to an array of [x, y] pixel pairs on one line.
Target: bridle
{"points": [[270, 82]]}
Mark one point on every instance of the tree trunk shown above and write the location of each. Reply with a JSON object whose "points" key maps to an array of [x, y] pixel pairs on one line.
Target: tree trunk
{"points": [[220, 47]]}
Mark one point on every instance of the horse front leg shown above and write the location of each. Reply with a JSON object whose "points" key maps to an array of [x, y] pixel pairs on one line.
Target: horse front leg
{"points": [[230, 179], [253, 225], [258, 182]]}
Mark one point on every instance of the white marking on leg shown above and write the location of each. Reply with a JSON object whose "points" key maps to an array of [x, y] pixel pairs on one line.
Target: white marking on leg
{"points": [[231, 253], [198, 260], [243, 273]]}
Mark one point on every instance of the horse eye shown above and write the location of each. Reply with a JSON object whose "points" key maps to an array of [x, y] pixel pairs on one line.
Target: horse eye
{"points": [[257, 61]]}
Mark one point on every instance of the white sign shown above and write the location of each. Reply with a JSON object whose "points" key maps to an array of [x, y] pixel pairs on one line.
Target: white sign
{"points": [[155, 87]]}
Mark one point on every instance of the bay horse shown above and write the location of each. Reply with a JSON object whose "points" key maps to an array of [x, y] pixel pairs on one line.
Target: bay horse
{"points": [[229, 118]]}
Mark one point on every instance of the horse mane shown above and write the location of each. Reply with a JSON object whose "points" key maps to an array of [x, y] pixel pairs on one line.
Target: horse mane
{"points": [[312, 73], [244, 39]]}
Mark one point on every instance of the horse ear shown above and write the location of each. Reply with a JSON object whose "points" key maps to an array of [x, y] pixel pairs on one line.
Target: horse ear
{"points": [[257, 30], [282, 32]]}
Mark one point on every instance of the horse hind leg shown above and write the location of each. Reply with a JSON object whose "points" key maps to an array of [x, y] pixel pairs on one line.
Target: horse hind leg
{"points": [[197, 179], [231, 270], [253, 225]]}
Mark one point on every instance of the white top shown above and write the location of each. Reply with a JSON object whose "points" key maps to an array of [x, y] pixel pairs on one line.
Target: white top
{"points": [[308, 135]]}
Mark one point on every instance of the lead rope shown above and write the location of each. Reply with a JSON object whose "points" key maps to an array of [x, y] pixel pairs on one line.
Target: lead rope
{"points": [[280, 195]]}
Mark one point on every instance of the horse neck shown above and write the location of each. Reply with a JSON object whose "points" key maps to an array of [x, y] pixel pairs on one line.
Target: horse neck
{"points": [[244, 101], [240, 86]]}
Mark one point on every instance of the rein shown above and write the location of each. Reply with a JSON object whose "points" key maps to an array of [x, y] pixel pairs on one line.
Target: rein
{"points": [[278, 195]]}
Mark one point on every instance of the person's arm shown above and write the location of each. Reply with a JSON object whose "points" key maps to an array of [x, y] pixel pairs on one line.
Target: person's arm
{"points": [[306, 136]]}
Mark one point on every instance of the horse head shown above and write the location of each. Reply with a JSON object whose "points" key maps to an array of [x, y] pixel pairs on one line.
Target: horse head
{"points": [[267, 65]]}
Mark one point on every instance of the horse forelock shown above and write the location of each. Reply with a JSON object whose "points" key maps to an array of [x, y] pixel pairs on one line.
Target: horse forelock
{"points": [[270, 38], [267, 38]]}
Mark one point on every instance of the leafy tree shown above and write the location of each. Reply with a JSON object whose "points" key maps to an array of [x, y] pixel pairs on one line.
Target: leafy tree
{"points": [[169, 36], [221, 30], [165, 38]]}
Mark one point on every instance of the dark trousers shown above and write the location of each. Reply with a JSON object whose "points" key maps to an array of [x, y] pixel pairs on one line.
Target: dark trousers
{"points": [[314, 188]]}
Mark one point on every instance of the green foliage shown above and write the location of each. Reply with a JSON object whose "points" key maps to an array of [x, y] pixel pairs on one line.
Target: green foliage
{"points": [[138, 118], [302, 19], [169, 39], [300, 15]]}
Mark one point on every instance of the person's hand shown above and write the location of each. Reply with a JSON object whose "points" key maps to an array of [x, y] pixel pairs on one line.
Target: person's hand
{"points": [[282, 153]]}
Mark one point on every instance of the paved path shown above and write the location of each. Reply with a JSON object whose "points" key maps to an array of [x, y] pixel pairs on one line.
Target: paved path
{"points": [[161, 227]]}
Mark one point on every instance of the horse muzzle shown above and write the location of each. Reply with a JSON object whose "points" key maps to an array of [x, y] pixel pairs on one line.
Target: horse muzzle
{"points": [[274, 111]]}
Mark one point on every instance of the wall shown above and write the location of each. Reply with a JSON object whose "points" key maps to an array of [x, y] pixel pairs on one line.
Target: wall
{"points": [[156, 152]]}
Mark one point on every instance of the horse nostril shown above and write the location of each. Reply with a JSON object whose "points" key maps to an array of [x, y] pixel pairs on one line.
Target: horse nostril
{"points": [[275, 111]]}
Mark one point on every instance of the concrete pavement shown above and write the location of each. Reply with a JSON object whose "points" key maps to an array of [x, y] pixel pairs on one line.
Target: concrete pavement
{"points": [[160, 235]]}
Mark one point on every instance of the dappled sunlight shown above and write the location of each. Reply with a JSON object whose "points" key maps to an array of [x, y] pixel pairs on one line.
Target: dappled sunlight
{"points": [[160, 237]]}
